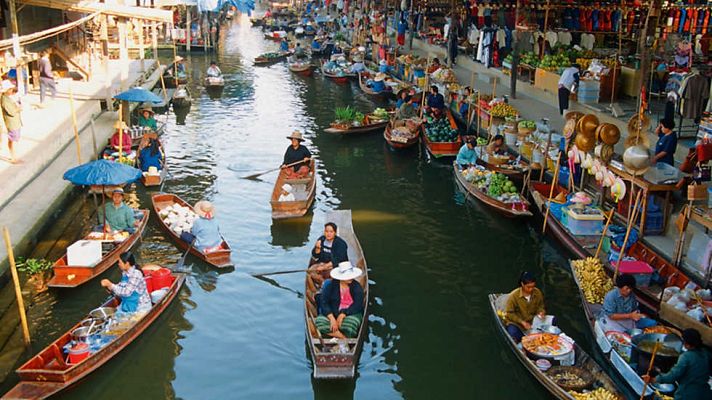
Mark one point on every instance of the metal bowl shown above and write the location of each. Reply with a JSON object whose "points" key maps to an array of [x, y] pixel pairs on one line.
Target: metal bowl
{"points": [[82, 333], [103, 313], [665, 388]]}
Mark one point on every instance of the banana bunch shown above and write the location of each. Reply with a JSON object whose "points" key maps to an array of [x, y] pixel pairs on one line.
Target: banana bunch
{"points": [[593, 279], [598, 394]]}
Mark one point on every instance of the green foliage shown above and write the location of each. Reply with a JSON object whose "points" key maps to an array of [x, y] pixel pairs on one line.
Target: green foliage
{"points": [[33, 266], [345, 114]]}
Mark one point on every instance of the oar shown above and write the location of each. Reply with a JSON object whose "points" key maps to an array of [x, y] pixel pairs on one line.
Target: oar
{"points": [[254, 176], [181, 262], [291, 271], [650, 368]]}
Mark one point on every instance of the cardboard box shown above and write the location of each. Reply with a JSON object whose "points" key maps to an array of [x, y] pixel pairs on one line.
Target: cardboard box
{"points": [[84, 253]]}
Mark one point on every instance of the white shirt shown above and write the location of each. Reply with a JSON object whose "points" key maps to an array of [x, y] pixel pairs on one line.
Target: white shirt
{"points": [[567, 79]]}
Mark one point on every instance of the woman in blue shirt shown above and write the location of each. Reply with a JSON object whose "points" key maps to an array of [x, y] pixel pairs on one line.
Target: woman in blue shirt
{"points": [[151, 156], [467, 155], [377, 84], [284, 45], [328, 252], [205, 228], [666, 144]]}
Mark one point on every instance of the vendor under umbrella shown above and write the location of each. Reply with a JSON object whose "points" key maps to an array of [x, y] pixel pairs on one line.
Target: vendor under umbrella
{"points": [[147, 119], [132, 286], [117, 216], [119, 137]]}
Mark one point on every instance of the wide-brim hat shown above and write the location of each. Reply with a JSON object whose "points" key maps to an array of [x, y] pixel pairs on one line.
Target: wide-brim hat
{"points": [[6, 85], [608, 134], [178, 59], [204, 207], [587, 125], [575, 115], [120, 125], [379, 77], [585, 143], [147, 108], [345, 272], [638, 123], [118, 190], [636, 139], [296, 135], [287, 188], [569, 128]]}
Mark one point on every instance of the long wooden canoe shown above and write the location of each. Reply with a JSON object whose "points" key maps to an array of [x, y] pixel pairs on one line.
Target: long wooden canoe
{"points": [[48, 372], [583, 360], [327, 361], [443, 149], [385, 94], [70, 276], [399, 143], [218, 259], [366, 128], [338, 78], [151, 180], [264, 60], [303, 69], [214, 81], [304, 191], [503, 208]]}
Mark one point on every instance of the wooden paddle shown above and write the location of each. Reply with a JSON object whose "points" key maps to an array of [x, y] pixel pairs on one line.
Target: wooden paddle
{"points": [[254, 176], [650, 368], [291, 271], [181, 262]]}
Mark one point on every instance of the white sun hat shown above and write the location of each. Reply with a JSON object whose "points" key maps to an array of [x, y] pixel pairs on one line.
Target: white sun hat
{"points": [[287, 188], [345, 271]]}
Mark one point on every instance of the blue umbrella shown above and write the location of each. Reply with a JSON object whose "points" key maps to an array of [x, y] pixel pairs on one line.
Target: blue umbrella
{"points": [[102, 172], [138, 95]]}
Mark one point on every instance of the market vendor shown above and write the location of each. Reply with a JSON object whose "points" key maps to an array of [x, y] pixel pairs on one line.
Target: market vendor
{"points": [[121, 137], [467, 156], [284, 45], [523, 304], [146, 118], [131, 288], [497, 146], [620, 307], [205, 230], [377, 84], [435, 101], [383, 66], [316, 44], [213, 70], [299, 51], [329, 251], [179, 67], [567, 83], [408, 109], [118, 216], [463, 105], [341, 303], [692, 370], [357, 67], [403, 97], [434, 66], [296, 152], [667, 143], [151, 156]]}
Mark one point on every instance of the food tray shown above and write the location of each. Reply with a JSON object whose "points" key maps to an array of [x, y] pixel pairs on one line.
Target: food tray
{"points": [[561, 370], [546, 345]]}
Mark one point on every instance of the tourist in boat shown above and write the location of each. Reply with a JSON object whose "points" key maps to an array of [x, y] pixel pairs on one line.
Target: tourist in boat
{"points": [[434, 66], [341, 303], [329, 250], [692, 370], [377, 84], [286, 193], [119, 217], [467, 156], [435, 102], [408, 109], [213, 70], [205, 229], [124, 138], [667, 143], [497, 146], [620, 307], [151, 156], [131, 288], [146, 118], [284, 45], [296, 152], [523, 304]]}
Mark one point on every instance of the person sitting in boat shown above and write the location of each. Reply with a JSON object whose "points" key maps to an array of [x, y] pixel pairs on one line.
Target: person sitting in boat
{"points": [[497, 146], [179, 67], [463, 105], [284, 45], [377, 84], [341, 303], [337, 49], [383, 67], [213, 70], [316, 45], [124, 138], [435, 102], [205, 229], [434, 66], [151, 156], [329, 250], [467, 156], [118, 216], [523, 304], [407, 110], [268, 13], [620, 307], [403, 97], [357, 67], [131, 288], [692, 370], [286, 193], [299, 51], [146, 118], [296, 152]]}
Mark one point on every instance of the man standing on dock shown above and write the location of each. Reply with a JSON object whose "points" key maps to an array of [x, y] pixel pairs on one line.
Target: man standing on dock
{"points": [[46, 77]]}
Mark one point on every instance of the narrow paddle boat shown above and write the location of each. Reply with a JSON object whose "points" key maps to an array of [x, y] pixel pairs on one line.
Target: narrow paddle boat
{"points": [[304, 191]]}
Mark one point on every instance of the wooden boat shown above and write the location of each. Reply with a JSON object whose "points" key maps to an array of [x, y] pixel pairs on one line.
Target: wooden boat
{"points": [[443, 149], [398, 142], [512, 172], [371, 125], [170, 80], [70, 276], [304, 191], [506, 209], [275, 38], [385, 94], [300, 68], [257, 21], [218, 259], [270, 58], [327, 363], [336, 77], [48, 372], [583, 360], [146, 179], [214, 81], [181, 97]]}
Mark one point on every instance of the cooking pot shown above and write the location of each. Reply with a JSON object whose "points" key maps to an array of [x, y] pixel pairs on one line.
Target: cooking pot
{"points": [[670, 344], [103, 313], [636, 159], [82, 333]]}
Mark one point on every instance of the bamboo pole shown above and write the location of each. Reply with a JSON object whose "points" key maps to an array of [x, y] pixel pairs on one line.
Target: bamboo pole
{"points": [[650, 368], [631, 222], [425, 89], [477, 110], [163, 84], [121, 129], [603, 235], [18, 290], [546, 158], [551, 194], [74, 125]]}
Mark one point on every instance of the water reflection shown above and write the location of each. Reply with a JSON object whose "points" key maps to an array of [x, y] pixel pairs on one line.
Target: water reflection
{"points": [[291, 232]]}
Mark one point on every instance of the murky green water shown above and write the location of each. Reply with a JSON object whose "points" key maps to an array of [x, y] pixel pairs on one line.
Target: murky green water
{"points": [[433, 259]]}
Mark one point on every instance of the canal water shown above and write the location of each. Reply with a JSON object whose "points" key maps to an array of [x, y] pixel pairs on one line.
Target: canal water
{"points": [[434, 255]]}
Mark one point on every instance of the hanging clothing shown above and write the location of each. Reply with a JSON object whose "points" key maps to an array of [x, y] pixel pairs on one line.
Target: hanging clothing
{"points": [[564, 38], [552, 38], [695, 92], [501, 38]]}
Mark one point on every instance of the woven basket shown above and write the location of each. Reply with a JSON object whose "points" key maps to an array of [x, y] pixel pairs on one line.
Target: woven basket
{"points": [[586, 376]]}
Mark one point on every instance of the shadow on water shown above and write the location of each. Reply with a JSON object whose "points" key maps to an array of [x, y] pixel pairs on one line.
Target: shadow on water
{"points": [[291, 232]]}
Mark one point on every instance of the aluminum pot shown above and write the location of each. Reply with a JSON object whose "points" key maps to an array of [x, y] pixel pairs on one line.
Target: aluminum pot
{"points": [[636, 159], [103, 313], [670, 344]]}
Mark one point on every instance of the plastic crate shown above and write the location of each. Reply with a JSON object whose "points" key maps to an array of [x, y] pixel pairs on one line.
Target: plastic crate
{"points": [[654, 218], [588, 225]]}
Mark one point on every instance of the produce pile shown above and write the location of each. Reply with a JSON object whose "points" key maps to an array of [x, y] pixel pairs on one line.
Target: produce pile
{"points": [[402, 134], [445, 75], [348, 116], [527, 125], [528, 58], [439, 130], [593, 279], [598, 394], [586, 62], [380, 113], [179, 218], [685, 300], [340, 67], [552, 62], [493, 183], [271, 55], [503, 110], [481, 141]]}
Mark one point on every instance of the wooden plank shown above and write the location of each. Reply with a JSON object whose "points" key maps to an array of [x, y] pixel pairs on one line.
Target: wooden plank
{"points": [[149, 14]]}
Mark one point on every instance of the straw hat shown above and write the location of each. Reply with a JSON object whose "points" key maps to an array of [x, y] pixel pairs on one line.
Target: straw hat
{"points": [[569, 128], [379, 77], [585, 143], [118, 190], [634, 139], [287, 188], [6, 85], [296, 135], [604, 152], [178, 59], [204, 209], [608, 134], [587, 125], [575, 115], [638, 125], [120, 125], [345, 272], [147, 108]]}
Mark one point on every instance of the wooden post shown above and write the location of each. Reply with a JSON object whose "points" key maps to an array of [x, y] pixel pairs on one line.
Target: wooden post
{"points": [[123, 54], [546, 158], [121, 129], [551, 195], [74, 125], [93, 134], [425, 89], [18, 290], [187, 29], [154, 40], [141, 46], [163, 83], [17, 52], [603, 235]]}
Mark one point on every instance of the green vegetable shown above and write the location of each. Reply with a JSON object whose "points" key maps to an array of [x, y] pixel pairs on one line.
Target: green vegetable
{"points": [[33, 266]]}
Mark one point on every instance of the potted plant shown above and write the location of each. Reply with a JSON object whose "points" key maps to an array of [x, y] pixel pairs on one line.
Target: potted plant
{"points": [[38, 271]]}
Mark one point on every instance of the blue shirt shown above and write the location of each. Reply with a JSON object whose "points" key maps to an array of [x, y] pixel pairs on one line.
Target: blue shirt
{"points": [[402, 26], [316, 45], [668, 144], [436, 101], [150, 160], [383, 68], [615, 303], [466, 156], [378, 86], [206, 233], [284, 46]]}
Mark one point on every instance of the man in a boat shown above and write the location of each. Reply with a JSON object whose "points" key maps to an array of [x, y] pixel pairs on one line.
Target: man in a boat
{"points": [[329, 251], [296, 152], [179, 68], [620, 307], [408, 110], [213, 70], [147, 119], [132, 287], [467, 156], [523, 304], [497, 146], [341, 303], [119, 216], [205, 230], [435, 102]]}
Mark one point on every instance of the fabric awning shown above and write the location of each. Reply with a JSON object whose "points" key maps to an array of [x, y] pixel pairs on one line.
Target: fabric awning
{"points": [[118, 10]]}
